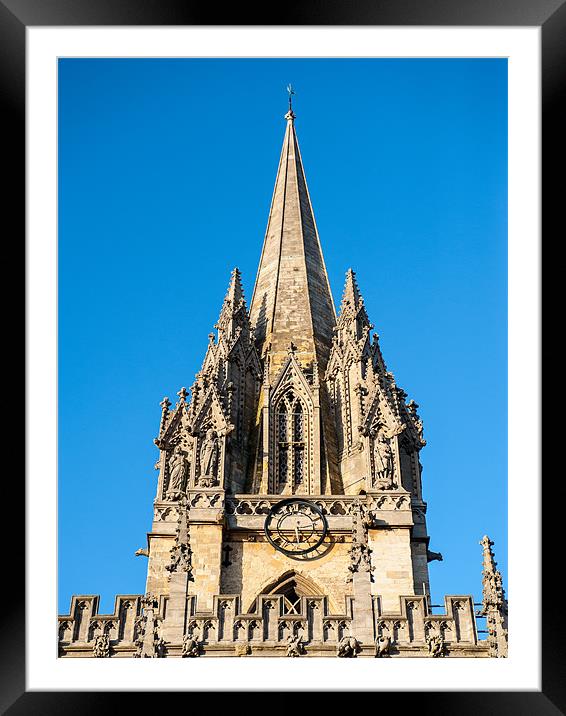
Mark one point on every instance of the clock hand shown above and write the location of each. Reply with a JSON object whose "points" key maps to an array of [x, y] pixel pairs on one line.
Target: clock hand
{"points": [[297, 534]]}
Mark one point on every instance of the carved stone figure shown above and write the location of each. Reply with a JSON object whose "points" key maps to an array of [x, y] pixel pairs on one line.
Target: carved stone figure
{"points": [[177, 472], [190, 646], [348, 647], [295, 645], [209, 455], [360, 560], [431, 556], [383, 460], [243, 649], [160, 649], [436, 645], [382, 645], [101, 646]]}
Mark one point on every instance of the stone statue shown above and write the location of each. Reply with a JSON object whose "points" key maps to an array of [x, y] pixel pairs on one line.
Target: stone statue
{"points": [[177, 471], [348, 647], [209, 454], [101, 646], [383, 459], [436, 645], [382, 645], [242, 649], [190, 646], [295, 646], [159, 649]]}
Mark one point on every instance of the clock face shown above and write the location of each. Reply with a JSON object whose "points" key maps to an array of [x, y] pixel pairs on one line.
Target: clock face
{"points": [[295, 527]]}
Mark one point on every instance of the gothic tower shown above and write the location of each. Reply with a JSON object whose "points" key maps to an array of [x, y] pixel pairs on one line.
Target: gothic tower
{"points": [[289, 517]]}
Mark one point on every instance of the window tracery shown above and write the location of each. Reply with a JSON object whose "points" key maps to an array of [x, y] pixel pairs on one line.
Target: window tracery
{"points": [[290, 443]]}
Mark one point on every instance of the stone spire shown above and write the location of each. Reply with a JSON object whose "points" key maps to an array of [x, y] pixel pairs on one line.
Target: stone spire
{"points": [[292, 302]]}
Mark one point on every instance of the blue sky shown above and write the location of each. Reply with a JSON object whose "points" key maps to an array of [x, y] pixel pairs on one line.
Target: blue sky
{"points": [[166, 170]]}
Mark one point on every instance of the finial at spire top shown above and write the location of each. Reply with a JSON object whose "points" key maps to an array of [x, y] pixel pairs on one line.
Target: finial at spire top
{"points": [[290, 116]]}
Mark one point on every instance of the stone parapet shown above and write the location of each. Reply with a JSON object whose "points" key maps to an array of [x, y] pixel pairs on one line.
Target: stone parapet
{"points": [[412, 631]]}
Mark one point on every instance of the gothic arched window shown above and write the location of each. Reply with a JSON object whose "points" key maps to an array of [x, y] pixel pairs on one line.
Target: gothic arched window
{"points": [[290, 443]]}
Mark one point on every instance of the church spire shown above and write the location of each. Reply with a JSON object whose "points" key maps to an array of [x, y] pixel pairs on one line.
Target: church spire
{"points": [[292, 301]]}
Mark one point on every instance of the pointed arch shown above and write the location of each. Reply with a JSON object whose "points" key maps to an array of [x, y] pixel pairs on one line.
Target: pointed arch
{"points": [[291, 585]]}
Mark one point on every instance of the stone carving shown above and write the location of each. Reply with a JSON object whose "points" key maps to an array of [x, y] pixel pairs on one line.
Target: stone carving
{"points": [[360, 560], [166, 514], [382, 645], [431, 556], [190, 646], [412, 408], [63, 627], [160, 649], [348, 647], [165, 405], [177, 473], [141, 552], [329, 505], [243, 649], [181, 552], [206, 499], [295, 645], [208, 458], [383, 462], [101, 646], [436, 645], [147, 640]]}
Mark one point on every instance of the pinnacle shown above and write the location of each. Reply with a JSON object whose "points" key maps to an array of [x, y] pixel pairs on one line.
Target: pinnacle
{"points": [[230, 315], [351, 293], [352, 307], [235, 291]]}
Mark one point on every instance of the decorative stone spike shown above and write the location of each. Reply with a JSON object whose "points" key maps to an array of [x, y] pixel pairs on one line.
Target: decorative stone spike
{"points": [[494, 604], [165, 405]]}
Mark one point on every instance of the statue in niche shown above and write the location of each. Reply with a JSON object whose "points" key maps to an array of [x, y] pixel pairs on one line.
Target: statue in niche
{"points": [[383, 461], [209, 459], [177, 473]]}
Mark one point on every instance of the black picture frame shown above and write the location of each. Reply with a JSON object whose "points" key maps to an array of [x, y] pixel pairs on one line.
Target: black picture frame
{"points": [[550, 15]]}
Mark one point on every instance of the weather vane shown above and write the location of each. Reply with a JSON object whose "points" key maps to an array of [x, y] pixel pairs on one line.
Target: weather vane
{"points": [[291, 92]]}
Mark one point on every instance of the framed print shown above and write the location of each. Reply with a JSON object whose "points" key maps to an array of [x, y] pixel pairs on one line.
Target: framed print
{"points": [[290, 513]]}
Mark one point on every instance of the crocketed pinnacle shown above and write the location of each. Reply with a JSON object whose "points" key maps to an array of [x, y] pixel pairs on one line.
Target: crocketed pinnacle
{"points": [[353, 317], [351, 295], [233, 313], [493, 592]]}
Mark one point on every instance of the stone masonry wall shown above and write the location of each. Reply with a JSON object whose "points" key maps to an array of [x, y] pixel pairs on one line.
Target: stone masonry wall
{"points": [[256, 565], [393, 569]]}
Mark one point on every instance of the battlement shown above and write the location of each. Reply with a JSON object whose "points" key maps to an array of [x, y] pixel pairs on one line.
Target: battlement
{"points": [[136, 625]]}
